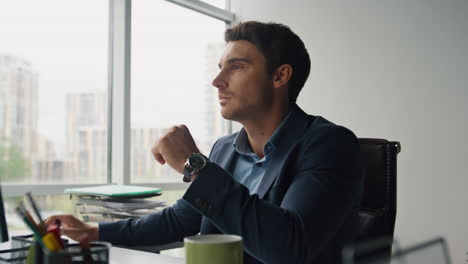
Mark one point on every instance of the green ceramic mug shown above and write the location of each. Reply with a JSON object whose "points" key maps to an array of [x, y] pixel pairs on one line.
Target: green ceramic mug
{"points": [[213, 249]]}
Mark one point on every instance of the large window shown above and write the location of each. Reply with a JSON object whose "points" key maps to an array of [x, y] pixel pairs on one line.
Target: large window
{"points": [[175, 52], [53, 91], [57, 64], [56, 69]]}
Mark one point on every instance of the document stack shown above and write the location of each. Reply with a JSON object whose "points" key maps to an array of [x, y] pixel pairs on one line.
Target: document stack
{"points": [[114, 202]]}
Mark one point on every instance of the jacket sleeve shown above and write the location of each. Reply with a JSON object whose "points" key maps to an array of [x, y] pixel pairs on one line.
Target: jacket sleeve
{"points": [[322, 194], [169, 225]]}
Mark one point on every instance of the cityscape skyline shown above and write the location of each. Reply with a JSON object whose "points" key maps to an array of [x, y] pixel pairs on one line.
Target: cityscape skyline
{"points": [[168, 83], [83, 157]]}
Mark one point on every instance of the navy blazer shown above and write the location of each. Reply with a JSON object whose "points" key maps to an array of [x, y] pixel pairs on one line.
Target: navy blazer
{"points": [[304, 212]]}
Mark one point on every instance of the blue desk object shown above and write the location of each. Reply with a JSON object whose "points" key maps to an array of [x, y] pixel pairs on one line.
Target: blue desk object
{"points": [[116, 191]]}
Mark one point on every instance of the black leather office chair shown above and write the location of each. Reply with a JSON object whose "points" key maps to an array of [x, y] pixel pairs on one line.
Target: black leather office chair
{"points": [[378, 207]]}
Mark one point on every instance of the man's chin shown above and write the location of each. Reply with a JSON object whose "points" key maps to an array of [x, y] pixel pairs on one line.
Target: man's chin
{"points": [[227, 113]]}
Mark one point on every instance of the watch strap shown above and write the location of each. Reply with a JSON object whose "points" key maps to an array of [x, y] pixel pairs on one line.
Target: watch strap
{"points": [[188, 170]]}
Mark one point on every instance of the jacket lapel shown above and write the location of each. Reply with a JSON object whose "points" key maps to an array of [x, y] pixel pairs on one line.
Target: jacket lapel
{"points": [[292, 132]]}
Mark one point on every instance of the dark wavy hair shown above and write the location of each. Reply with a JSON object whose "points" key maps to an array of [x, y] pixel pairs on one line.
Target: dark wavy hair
{"points": [[280, 46]]}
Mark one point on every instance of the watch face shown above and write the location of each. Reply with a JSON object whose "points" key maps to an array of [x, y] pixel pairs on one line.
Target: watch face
{"points": [[196, 162]]}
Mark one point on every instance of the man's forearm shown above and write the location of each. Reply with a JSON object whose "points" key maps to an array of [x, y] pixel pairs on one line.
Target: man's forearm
{"points": [[169, 225]]}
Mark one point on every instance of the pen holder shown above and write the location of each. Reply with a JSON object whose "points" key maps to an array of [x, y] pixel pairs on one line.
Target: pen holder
{"points": [[98, 252], [20, 249], [14, 255]]}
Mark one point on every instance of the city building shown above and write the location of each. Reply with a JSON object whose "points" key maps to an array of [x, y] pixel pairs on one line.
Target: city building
{"points": [[18, 107], [86, 136]]}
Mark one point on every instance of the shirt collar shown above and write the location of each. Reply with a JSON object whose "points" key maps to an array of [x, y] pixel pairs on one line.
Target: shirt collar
{"points": [[241, 143], [242, 146]]}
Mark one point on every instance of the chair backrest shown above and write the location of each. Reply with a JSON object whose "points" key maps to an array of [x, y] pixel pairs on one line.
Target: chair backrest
{"points": [[378, 207]]}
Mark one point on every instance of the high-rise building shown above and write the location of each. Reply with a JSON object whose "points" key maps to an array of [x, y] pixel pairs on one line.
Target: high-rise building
{"points": [[48, 167], [92, 155], [52, 170], [18, 106], [144, 167], [86, 138], [91, 159], [18, 103], [86, 109]]}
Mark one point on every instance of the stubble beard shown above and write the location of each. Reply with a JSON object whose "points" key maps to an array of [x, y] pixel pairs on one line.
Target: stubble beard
{"points": [[227, 113], [239, 114], [244, 112]]}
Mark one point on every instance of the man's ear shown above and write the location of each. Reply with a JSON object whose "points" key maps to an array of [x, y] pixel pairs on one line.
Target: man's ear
{"points": [[282, 75]]}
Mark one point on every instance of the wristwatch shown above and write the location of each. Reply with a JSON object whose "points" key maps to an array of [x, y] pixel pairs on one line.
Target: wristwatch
{"points": [[195, 163]]}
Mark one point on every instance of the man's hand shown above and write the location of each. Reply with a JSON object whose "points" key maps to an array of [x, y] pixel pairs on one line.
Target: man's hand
{"points": [[74, 228], [175, 147]]}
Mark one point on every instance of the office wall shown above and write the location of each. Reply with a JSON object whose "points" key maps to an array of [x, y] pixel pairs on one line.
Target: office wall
{"points": [[395, 70]]}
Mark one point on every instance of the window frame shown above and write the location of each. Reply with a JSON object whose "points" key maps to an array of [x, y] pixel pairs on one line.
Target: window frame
{"points": [[119, 92]]}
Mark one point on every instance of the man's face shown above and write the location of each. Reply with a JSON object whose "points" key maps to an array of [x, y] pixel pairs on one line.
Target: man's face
{"points": [[244, 86]]}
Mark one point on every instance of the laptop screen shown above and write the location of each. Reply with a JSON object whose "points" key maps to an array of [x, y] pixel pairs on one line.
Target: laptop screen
{"points": [[3, 223]]}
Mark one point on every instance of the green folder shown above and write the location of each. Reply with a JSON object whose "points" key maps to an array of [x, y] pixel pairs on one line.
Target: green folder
{"points": [[116, 191]]}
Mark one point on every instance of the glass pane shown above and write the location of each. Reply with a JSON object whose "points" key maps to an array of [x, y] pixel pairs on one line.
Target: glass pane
{"points": [[175, 52], [53, 82], [47, 204], [60, 204]]}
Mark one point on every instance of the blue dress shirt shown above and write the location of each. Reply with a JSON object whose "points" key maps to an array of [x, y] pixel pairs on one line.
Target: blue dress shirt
{"points": [[249, 168]]}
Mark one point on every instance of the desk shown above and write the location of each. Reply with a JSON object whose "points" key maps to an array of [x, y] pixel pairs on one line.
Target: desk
{"points": [[124, 256]]}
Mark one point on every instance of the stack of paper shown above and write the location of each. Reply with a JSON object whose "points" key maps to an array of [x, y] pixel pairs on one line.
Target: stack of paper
{"points": [[112, 202]]}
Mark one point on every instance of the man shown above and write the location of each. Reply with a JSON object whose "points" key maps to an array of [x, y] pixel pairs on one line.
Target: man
{"points": [[288, 183]]}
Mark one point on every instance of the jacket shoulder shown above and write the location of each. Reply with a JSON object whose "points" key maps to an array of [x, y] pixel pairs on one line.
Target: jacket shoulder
{"points": [[321, 129]]}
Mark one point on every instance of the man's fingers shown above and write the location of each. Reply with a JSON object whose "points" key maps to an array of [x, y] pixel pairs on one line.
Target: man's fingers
{"points": [[76, 234], [83, 234], [159, 158], [72, 230], [65, 219], [49, 221], [174, 147], [184, 127], [157, 154]]}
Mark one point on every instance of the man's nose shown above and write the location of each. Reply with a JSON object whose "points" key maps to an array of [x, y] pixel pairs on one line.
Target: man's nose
{"points": [[219, 81]]}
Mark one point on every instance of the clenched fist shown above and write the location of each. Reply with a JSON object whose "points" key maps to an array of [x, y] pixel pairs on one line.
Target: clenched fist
{"points": [[175, 147]]}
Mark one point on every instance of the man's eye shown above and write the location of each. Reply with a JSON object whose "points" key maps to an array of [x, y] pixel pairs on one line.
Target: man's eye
{"points": [[236, 67]]}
